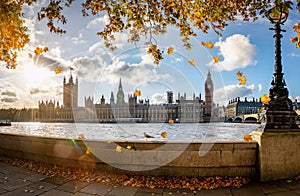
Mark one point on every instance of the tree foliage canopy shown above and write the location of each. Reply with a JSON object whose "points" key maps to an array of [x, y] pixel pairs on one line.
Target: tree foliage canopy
{"points": [[140, 18]]}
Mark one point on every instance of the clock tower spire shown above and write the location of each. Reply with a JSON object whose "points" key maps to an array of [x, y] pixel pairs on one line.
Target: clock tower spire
{"points": [[209, 90]]}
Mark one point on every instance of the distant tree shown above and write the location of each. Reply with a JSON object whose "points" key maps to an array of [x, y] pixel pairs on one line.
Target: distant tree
{"points": [[140, 18]]}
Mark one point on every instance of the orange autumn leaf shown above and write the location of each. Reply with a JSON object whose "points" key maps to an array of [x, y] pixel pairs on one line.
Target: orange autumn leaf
{"points": [[242, 80], [38, 51], [216, 59], [247, 137], [203, 43], [170, 50], [192, 62], [118, 149], [45, 49], [171, 122], [58, 70], [137, 93], [293, 39], [210, 45], [265, 99], [239, 74], [164, 134]]}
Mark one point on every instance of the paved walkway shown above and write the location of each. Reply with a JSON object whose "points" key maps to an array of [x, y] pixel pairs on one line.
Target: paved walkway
{"points": [[15, 181]]}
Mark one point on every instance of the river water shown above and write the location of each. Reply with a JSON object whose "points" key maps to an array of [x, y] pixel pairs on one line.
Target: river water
{"points": [[134, 131]]}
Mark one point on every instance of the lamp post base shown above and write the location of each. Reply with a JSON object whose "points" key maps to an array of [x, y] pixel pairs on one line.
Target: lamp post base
{"points": [[282, 120]]}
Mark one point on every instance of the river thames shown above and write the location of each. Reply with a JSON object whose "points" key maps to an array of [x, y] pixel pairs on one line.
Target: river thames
{"points": [[134, 131]]}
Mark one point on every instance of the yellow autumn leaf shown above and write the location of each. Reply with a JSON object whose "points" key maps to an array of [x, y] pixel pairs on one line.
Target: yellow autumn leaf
{"points": [[58, 70], [265, 99], [216, 59], [171, 122], [129, 147], [137, 93], [192, 62], [203, 43], [164, 134], [38, 51], [242, 80], [239, 74], [88, 151], [296, 27], [118, 148], [170, 50], [210, 45], [108, 141]]}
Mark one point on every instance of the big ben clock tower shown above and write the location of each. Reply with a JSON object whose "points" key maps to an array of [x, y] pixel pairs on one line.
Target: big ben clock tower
{"points": [[209, 90]]}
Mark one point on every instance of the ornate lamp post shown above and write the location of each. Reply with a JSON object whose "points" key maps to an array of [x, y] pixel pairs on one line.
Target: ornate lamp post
{"points": [[280, 114]]}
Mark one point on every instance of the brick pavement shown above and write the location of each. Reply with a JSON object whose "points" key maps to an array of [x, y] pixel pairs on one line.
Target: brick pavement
{"points": [[15, 181]]}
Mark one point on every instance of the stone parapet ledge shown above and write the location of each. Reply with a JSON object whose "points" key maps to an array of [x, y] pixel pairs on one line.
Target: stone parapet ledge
{"points": [[173, 158], [279, 154]]}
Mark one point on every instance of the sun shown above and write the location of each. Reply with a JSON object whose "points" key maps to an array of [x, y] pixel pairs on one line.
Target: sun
{"points": [[34, 75]]}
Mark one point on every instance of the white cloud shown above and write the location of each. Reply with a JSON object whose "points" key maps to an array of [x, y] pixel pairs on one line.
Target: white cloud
{"points": [[237, 52], [259, 88], [158, 98], [222, 95], [98, 22], [294, 54]]}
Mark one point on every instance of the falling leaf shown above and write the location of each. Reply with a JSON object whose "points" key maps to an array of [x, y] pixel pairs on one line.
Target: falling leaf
{"points": [[247, 137], [137, 93], [210, 45], [192, 62], [118, 148], [88, 151], [216, 59], [242, 80], [170, 50], [164, 134], [203, 43], [171, 122], [239, 74], [38, 51], [58, 70], [129, 147], [45, 49], [265, 99]]}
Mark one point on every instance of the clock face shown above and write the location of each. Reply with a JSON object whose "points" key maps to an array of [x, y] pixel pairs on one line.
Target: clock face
{"points": [[208, 86]]}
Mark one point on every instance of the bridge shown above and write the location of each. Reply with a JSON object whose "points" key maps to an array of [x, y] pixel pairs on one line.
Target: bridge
{"points": [[245, 118]]}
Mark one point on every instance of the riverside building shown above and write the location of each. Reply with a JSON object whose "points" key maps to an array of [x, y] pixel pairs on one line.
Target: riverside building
{"points": [[180, 109]]}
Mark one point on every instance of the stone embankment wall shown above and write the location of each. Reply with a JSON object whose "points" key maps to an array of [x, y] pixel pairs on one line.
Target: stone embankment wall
{"points": [[236, 158]]}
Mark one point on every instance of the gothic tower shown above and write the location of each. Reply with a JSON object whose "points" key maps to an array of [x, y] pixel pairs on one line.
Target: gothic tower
{"points": [[209, 90], [70, 92], [120, 94]]}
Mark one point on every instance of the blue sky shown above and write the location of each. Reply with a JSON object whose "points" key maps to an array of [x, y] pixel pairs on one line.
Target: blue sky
{"points": [[246, 47]]}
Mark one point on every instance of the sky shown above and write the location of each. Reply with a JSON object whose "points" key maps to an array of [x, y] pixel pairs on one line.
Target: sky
{"points": [[244, 46]]}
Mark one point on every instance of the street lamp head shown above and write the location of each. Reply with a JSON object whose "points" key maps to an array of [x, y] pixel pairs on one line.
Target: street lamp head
{"points": [[277, 15]]}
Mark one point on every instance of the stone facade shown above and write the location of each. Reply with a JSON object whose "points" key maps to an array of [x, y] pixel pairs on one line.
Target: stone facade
{"points": [[179, 110]]}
